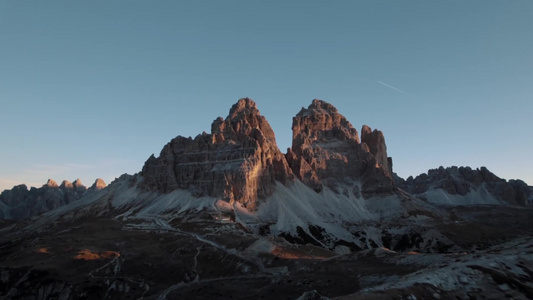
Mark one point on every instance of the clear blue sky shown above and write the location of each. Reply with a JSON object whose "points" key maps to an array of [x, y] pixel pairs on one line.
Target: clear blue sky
{"points": [[92, 88]]}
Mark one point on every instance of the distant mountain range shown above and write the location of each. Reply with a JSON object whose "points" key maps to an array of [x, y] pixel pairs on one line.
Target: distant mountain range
{"points": [[20, 203]]}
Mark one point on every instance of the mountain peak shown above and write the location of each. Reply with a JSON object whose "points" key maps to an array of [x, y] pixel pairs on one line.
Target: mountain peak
{"points": [[244, 105], [326, 149], [319, 119], [77, 184], [239, 160], [98, 184], [322, 105], [51, 184], [244, 120], [65, 184]]}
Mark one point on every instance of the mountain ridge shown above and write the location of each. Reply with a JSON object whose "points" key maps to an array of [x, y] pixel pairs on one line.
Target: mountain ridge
{"points": [[240, 161], [243, 146], [228, 215], [21, 203]]}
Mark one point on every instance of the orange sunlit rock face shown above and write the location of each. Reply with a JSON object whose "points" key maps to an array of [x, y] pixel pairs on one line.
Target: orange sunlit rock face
{"points": [[87, 254], [42, 250], [243, 162]]}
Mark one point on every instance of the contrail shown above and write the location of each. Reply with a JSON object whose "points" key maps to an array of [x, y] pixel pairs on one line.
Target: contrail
{"points": [[396, 89]]}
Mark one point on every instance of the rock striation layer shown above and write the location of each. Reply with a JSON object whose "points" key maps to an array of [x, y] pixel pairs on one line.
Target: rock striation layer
{"points": [[238, 161], [326, 149]]}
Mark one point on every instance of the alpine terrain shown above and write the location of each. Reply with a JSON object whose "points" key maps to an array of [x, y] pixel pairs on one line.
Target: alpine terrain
{"points": [[228, 215]]}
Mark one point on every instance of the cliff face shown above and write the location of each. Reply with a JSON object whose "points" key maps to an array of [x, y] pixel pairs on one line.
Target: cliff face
{"points": [[239, 160], [375, 140], [326, 149]]}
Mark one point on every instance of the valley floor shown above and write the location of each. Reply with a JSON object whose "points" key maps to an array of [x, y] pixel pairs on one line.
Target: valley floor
{"points": [[201, 257]]}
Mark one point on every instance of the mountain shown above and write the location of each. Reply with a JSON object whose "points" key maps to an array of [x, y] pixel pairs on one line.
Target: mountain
{"points": [[227, 215], [326, 150], [465, 186], [239, 161], [20, 203]]}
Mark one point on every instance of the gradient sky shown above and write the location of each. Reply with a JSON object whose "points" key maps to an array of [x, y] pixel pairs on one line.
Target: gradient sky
{"points": [[92, 88]]}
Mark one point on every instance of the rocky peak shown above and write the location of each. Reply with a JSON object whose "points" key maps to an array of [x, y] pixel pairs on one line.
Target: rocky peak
{"points": [[375, 141], [78, 185], [51, 184], [321, 121], [239, 160], [322, 106], [66, 185], [244, 121], [326, 149], [98, 184], [245, 106]]}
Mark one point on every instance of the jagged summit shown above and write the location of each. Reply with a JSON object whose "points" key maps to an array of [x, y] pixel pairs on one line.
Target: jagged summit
{"points": [[319, 121], [244, 105], [78, 185], [243, 121], [375, 141], [319, 106], [326, 149], [98, 184], [51, 184], [65, 184], [239, 160]]}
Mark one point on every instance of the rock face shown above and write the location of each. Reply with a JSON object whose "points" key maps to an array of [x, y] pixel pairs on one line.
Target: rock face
{"points": [[20, 203], [464, 180], [375, 141], [238, 161], [98, 184], [326, 149]]}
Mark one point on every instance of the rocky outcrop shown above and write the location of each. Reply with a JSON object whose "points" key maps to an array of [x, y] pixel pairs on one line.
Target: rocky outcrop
{"points": [[21, 203], [523, 194], [465, 180], [375, 140], [51, 184], [238, 161], [326, 149], [98, 184], [67, 185]]}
